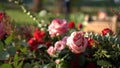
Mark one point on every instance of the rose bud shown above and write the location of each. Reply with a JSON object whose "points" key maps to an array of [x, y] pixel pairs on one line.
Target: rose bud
{"points": [[71, 25], [80, 26], [106, 31]]}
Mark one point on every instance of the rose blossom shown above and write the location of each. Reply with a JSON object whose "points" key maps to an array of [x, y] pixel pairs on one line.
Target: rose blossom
{"points": [[33, 44], [57, 27], [48, 43], [90, 42], [64, 40], [77, 43], [60, 45], [38, 35], [106, 31], [2, 14], [2, 31], [51, 50], [80, 26], [71, 25]]}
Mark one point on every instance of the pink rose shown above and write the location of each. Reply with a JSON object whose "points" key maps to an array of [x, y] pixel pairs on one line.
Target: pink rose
{"points": [[51, 50], [77, 43], [57, 27], [2, 31], [60, 45], [65, 39]]}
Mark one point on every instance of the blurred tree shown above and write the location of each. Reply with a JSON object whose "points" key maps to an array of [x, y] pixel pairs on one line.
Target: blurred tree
{"points": [[37, 5], [64, 6]]}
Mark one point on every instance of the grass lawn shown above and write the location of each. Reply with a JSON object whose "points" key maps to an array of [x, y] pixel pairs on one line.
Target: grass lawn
{"points": [[19, 17]]}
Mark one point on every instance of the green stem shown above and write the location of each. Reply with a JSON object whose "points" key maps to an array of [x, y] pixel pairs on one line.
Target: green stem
{"points": [[109, 38], [65, 56]]}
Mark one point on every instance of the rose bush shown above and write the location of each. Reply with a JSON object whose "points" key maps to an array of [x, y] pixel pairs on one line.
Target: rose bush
{"points": [[57, 46]]}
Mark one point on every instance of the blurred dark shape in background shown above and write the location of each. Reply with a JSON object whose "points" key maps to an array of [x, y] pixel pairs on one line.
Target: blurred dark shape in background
{"points": [[63, 6], [36, 6]]}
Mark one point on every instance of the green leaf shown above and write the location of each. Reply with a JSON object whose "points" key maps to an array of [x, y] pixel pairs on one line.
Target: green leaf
{"points": [[27, 65], [23, 49], [82, 60], [15, 60], [12, 51], [63, 64], [6, 66], [103, 63], [1, 46], [50, 65], [4, 55], [17, 63], [20, 64], [9, 39]]}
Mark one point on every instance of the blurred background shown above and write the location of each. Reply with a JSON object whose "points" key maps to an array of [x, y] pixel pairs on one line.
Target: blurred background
{"points": [[90, 13]]}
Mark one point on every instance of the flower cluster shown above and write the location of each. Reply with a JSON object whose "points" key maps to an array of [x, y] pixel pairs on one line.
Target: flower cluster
{"points": [[37, 39], [60, 45]]}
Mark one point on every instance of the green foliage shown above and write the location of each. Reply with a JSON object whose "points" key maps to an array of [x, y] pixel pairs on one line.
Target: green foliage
{"points": [[17, 62], [50, 65], [82, 60], [4, 55], [11, 51], [6, 66], [100, 53], [103, 63], [77, 17], [27, 65], [63, 64], [9, 39], [1, 46]]}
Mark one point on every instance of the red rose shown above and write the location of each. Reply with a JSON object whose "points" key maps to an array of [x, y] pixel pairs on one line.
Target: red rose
{"points": [[48, 44], [90, 42], [91, 65], [33, 44], [1, 15], [71, 25], [80, 26], [38, 35], [106, 31]]}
